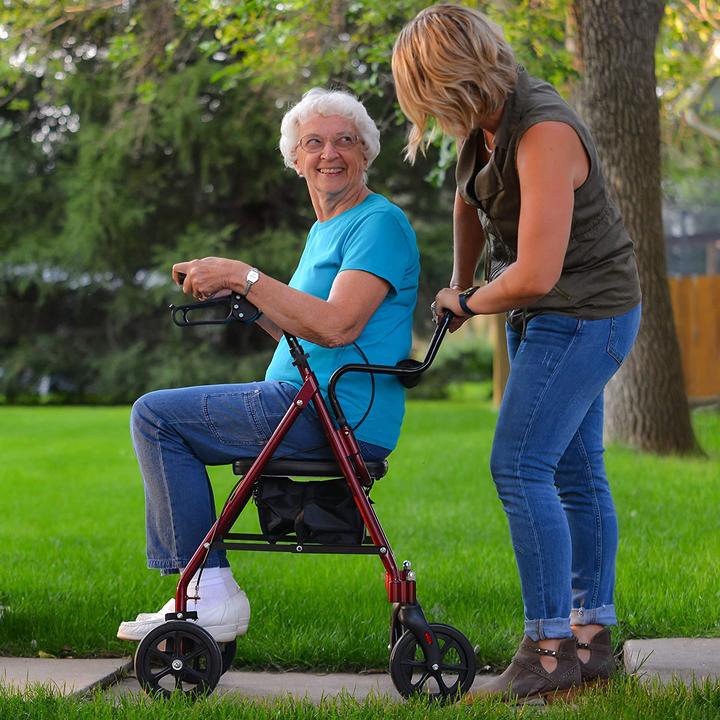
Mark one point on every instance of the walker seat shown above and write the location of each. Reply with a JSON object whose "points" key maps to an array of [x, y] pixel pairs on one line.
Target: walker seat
{"points": [[307, 468]]}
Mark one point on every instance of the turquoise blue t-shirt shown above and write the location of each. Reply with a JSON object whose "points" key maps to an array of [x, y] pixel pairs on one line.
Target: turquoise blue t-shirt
{"points": [[374, 236]]}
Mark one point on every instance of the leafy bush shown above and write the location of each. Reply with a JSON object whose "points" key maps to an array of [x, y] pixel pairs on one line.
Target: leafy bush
{"points": [[459, 361]]}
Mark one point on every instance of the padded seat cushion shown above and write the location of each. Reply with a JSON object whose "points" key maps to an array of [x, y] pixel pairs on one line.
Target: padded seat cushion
{"points": [[307, 468]]}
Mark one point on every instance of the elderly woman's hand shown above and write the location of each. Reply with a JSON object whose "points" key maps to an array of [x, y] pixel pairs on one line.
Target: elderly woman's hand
{"points": [[208, 277]]}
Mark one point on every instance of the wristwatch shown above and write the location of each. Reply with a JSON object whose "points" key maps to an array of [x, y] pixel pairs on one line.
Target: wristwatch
{"points": [[250, 279], [464, 296]]}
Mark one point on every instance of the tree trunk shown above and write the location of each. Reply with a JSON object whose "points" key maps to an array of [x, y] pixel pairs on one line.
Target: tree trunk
{"points": [[646, 405]]}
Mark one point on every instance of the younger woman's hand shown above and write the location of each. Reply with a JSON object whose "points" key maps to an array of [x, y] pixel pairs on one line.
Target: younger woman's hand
{"points": [[445, 300]]}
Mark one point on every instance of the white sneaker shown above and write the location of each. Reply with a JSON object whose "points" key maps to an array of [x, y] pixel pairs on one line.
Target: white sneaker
{"points": [[168, 607], [224, 621]]}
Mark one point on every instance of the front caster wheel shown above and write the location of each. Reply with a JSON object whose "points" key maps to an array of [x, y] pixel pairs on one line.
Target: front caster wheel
{"points": [[411, 672], [180, 657]]}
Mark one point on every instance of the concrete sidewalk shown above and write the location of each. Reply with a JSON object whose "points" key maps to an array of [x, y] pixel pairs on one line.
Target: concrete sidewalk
{"points": [[268, 685], [667, 659], [663, 661], [68, 677]]}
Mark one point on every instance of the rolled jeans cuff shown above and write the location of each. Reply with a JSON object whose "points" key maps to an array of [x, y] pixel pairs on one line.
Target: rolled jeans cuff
{"points": [[603, 615], [548, 628], [172, 567]]}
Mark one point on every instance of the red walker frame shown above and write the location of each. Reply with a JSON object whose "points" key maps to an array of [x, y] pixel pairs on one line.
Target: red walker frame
{"points": [[399, 583], [346, 450]]}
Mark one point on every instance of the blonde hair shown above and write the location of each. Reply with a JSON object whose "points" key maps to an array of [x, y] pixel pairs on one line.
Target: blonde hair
{"points": [[450, 63]]}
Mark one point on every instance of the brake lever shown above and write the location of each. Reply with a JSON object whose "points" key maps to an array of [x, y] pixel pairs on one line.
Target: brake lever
{"points": [[184, 310], [239, 309]]}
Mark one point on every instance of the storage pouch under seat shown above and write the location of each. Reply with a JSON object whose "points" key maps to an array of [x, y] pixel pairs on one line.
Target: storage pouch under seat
{"points": [[321, 511]]}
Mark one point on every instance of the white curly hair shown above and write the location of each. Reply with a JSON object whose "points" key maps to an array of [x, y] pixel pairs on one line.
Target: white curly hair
{"points": [[320, 101]]}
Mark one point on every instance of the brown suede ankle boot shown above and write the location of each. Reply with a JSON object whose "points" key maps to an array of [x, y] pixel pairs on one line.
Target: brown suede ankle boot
{"points": [[601, 664], [526, 678]]}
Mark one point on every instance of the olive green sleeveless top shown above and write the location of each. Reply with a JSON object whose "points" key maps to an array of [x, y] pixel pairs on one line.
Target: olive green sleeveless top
{"points": [[599, 277]]}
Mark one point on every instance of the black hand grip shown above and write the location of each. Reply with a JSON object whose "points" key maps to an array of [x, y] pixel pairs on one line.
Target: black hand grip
{"points": [[238, 310]]}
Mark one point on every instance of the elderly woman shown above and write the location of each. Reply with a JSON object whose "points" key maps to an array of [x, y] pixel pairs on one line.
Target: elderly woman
{"points": [[350, 299], [531, 193]]}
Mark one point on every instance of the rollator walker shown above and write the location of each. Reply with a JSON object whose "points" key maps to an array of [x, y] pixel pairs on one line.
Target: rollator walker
{"points": [[429, 659]]}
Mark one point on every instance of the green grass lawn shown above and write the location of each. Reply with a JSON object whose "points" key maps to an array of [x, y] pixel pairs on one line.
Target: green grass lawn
{"points": [[625, 699], [72, 533]]}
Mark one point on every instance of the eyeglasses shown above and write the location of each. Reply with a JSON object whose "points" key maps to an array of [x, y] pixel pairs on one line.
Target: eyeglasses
{"points": [[315, 143]]}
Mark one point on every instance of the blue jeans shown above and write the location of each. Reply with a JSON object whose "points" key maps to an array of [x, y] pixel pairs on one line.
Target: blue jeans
{"points": [[547, 464], [176, 433]]}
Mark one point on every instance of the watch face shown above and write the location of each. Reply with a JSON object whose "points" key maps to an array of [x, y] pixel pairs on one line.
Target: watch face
{"points": [[252, 276]]}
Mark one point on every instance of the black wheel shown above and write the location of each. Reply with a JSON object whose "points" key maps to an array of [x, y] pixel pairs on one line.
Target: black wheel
{"points": [[227, 652], [411, 674], [180, 657]]}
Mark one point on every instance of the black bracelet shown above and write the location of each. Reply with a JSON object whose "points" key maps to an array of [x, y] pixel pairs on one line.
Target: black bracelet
{"points": [[463, 298]]}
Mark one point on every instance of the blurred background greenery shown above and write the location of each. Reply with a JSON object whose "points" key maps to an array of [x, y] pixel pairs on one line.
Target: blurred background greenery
{"points": [[138, 134]]}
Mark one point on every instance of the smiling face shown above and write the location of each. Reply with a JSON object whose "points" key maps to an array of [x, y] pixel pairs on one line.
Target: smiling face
{"points": [[334, 173]]}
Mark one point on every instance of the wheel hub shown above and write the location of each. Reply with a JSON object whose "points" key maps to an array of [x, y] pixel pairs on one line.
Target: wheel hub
{"points": [[413, 673], [178, 656]]}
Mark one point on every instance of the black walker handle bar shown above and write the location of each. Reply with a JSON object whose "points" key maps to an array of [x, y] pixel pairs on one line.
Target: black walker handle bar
{"points": [[408, 372], [238, 309]]}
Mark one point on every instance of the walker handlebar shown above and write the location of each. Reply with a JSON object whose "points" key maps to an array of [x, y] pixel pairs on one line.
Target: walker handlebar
{"points": [[409, 372], [238, 309]]}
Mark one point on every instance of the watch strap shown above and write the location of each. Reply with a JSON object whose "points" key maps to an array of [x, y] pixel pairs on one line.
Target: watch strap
{"points": [[463, 298]]}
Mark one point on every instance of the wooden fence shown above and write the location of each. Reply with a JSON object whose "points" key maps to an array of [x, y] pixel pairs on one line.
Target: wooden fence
{"points": [[696, 309]]}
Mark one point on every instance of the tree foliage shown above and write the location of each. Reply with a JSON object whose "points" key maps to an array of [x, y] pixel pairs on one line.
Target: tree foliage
{"points": [[135, 134], [688, 66]]}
